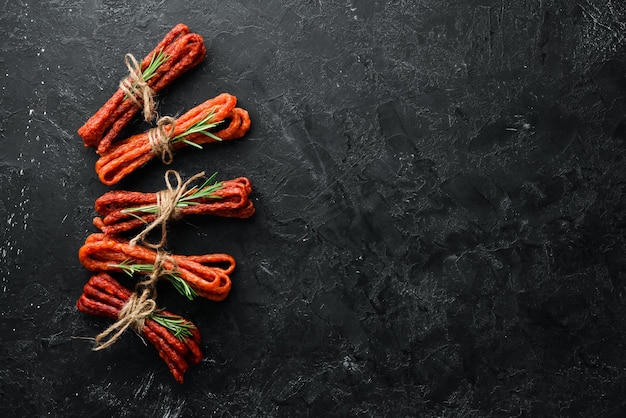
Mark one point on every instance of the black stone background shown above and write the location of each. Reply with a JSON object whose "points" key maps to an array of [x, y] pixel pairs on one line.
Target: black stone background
{"points": [[440, 225]]}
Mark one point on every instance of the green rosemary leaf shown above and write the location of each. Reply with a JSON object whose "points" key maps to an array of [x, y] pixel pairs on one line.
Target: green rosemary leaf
{"points": [[203, 126], [137, 216], [156, 61], [212, 135], [182, 286], [181, 328], [140, 209], [193, 144], [128, 267]]}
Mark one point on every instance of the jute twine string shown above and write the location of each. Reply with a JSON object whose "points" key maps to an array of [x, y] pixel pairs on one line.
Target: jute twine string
{"points": [[166, 203], [139, 307], [137, 89], [160, 138]]}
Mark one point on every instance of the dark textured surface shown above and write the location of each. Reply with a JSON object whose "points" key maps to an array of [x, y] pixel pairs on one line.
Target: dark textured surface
{"points": [[440, 225]]}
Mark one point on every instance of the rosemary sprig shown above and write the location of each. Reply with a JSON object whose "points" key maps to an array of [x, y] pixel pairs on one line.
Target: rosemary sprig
{"points": [[203, 127], [130, 268], [176, 324], [156, 61], [205, 191]]}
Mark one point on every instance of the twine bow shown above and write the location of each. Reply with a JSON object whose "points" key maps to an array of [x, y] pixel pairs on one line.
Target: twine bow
{"points": [[160, 138], [137, 89], [140, 305], [166, 203]]}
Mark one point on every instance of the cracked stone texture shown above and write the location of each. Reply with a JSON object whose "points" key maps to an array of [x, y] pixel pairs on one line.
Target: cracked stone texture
{"points": [[440, 226]]}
